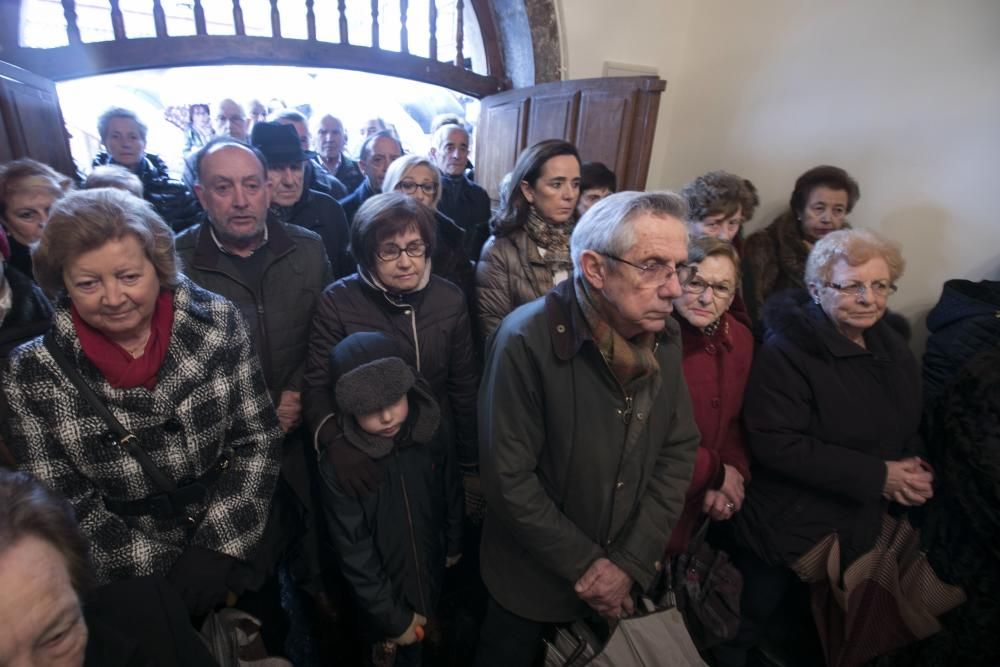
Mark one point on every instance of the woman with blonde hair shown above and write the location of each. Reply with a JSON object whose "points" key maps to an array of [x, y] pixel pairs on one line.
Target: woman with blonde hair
{"points": [[28, 189], [417, 177]]}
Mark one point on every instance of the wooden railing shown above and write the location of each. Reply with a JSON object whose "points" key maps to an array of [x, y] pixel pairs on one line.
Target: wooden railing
{"points": [[122, 53]]}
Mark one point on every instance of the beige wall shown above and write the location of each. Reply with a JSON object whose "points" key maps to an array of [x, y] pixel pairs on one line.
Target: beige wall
{"points": [[904, 94]]}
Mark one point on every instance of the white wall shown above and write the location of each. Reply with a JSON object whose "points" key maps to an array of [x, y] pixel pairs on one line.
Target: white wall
{"points": [[904, 94]]}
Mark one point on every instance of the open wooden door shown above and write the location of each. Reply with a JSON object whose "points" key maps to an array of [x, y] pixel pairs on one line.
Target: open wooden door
{"points": [[609, 120], [31, 122]]}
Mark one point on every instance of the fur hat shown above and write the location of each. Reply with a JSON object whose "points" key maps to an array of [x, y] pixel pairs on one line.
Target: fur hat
{"points": [[368, 373]]}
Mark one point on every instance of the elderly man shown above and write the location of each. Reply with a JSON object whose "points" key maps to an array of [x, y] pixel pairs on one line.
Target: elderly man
{"points": [[461, 200], [377, 153], [316, 175], [587, 440], [274, 273], [292, 202], [230, 120], [331, 140]]}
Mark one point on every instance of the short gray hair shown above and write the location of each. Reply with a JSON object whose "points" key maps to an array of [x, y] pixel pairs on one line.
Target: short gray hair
{"points": [[854, 246], [401, 165], [605, 227], [118, 112]]}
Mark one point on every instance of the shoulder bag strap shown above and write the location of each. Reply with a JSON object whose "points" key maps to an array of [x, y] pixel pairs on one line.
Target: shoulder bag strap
{"points": [[125, 438]]}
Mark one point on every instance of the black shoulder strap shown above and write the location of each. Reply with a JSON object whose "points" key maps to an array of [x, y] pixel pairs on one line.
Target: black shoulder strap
{"points": [[125, 438]]}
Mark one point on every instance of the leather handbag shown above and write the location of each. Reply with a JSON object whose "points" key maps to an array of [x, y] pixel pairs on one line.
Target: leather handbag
{"points": [[707, 587], [651, 637]]}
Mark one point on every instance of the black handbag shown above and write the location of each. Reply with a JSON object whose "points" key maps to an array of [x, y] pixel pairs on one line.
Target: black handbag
{"points": [[707, 587]]}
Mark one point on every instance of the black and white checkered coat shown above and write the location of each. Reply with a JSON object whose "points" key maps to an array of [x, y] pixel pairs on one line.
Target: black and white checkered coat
{"points": [[210, 398]]}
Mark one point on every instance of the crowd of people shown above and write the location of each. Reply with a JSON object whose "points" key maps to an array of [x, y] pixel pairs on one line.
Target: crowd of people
{"points": [[399, 426]]}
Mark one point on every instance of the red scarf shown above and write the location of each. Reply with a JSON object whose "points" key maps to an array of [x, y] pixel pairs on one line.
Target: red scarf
{"points": [[119, 368]]}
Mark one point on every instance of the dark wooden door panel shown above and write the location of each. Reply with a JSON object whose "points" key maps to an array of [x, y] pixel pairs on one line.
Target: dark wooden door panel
{"points": [[610, 120], [32, 120]]}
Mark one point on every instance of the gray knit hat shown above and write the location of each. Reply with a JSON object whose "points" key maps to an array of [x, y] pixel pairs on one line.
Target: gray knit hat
{"points": [[368, 373]]}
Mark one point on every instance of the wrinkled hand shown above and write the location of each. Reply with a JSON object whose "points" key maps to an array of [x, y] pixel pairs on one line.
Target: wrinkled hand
{"points": [[289, 410], [908, 482], [717, 506], [412, 635], [359, 475], [605, 587], [733, 486]]}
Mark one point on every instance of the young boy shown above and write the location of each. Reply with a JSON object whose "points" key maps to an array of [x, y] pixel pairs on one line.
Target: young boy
{"points": [[394, 543]]}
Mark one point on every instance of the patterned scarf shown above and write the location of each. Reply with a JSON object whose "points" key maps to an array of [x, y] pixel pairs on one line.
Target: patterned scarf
{"points": [[553, 238], [631, 361]]}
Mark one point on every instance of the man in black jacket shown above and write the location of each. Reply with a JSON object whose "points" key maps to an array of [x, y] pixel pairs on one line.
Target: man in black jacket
{"points": [[461, 200], [331, 139], [316, 175], [377, 153], [292, 202]]}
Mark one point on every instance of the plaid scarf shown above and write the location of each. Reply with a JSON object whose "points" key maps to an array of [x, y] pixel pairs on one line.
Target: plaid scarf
{"points": [[554, 239], [632, 362]]}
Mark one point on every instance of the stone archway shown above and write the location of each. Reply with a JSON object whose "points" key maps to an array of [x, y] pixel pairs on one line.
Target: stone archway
{"points": [[529, 41]]}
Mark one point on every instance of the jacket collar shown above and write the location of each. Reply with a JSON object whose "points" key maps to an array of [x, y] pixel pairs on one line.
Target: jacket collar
{"points": [[207, 254], [567, 327]]}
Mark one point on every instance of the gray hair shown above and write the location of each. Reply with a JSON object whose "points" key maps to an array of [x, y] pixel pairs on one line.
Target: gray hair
{"points": [[441, 134], [289, 115], [118, 112], [401, 165], [605, 227], [854, 246]]}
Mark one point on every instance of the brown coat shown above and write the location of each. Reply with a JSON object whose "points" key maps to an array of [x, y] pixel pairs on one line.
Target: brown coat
{"points": [[510, 273]]}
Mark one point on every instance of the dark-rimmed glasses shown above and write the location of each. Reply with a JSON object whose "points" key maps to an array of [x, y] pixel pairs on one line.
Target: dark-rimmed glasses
{"points": [[698, 285], [409, 187], [388, 252]]}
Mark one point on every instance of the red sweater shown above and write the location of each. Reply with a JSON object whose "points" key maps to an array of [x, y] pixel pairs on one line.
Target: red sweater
{"points": [[716, 369]]}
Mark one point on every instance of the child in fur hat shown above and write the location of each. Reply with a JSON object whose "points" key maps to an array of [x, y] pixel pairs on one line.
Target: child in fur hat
{"points": [[393, 544]]}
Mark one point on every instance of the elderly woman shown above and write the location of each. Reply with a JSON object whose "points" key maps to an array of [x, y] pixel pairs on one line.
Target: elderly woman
{"points": [[719, 204], [775, 257], [27, 191], [832, 411], [171, 461], [52, 611], [416, 176], [394, 292], [717, 351], [124, 139], [528, 253]]}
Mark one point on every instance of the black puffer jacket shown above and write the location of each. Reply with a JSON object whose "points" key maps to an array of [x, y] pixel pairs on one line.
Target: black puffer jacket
{"points": [[391, 544], [175, 203], [30, 312], [321, 214], [469, 206], [822, 416], [964, 323], [431, 326]]}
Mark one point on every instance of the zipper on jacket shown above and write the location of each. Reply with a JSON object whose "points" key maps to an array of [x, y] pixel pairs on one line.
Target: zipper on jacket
{"points": [[413, 538]]}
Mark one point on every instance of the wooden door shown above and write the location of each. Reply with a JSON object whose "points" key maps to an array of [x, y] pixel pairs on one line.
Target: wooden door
{"points": [[609, 120], [31, 122]]}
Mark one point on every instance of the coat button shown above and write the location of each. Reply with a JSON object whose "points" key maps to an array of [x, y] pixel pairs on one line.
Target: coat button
{"points": [[619, 486], [173, 425], [658, 566], [110, 439], [710, 348], [639, 416], [561, 328], [716, 402]]}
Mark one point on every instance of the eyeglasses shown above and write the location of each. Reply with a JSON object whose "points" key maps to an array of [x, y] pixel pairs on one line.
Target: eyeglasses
{"points": [[696, 285], [879, 288], [390, 251], [409, 187], [657, 273]]}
